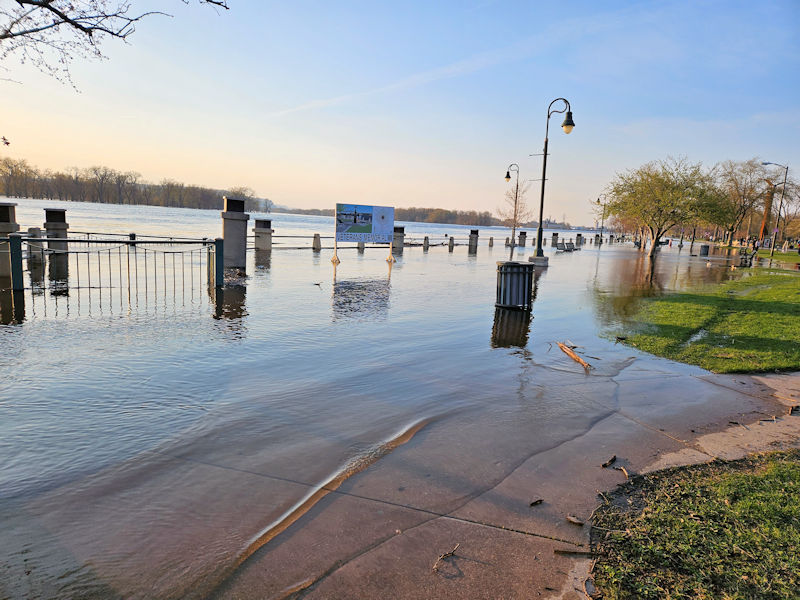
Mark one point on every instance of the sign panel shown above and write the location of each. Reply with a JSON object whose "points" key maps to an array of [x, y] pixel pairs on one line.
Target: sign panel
{"points": [[362, 223]]}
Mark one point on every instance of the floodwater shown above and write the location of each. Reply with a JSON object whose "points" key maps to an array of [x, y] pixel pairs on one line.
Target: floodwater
{"points": [[151, 441]]}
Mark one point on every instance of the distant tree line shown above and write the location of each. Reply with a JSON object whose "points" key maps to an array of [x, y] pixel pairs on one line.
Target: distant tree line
{"points": [[109, 186], [441, 215]]}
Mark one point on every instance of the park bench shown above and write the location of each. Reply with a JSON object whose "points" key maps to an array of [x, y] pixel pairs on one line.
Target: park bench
{"points": [[570, 247], [560, 246]]}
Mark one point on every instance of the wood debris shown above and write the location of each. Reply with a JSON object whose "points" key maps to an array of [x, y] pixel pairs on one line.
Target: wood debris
{"points": [[443, 557], [575, 520], [587, 553], [624, 471], [609, 462], [537, 502], [569, 352]]}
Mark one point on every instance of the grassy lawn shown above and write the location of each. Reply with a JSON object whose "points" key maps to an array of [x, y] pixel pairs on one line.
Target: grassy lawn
{"points": [[788, 257], [748, 325], [727, 530]]}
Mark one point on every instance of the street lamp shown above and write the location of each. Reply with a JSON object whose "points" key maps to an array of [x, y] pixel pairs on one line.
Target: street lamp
{"points": [[780, 205], [603, 217], [514, 167], [567, 126]]}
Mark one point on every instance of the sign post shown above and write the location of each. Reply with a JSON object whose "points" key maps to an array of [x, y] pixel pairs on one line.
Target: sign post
{"points": [[364, 223]]}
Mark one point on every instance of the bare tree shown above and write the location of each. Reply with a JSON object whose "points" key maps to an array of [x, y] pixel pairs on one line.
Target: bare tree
{"points": [[515, 211], [52, 33]]}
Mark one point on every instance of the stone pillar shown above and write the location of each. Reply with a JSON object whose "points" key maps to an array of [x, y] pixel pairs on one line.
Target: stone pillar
{"points": [[56, 226], [523, 238], [263, 231], [473, 241], [316, 245], [425, 244], [399, 239], [554, 241], [491, 242], [451, 244], [234, 233], [8, 225]]}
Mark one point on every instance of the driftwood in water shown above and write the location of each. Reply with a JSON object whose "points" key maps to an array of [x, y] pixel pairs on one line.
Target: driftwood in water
{"points": [[569, 352]]}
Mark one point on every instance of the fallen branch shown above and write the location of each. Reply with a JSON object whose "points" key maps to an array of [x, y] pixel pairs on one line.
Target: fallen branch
{"points": [[624, 470], [576, 552], [444, 556], [609, 462], [568, 351]]}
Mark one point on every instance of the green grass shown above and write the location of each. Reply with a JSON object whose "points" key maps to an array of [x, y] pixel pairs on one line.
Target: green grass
{"points": [[748, 325], [787, 257], [727, 530]]}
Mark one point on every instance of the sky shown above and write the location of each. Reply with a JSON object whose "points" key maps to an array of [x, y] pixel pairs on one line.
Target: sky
{"points": [[421, 104]]}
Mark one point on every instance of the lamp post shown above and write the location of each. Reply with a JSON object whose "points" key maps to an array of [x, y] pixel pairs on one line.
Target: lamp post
{"points": [[567, 126], [602, 217], [780, 205], [514, 167]]}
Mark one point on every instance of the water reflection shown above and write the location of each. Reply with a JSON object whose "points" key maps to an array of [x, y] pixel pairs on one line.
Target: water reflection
{"points": [[263, 259], [360, 299], [511, 328], [58, 274], [229, 306], [12, 304], [618, 288]]}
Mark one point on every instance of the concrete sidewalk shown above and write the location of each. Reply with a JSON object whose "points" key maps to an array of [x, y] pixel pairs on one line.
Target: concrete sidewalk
{"points": [[381, 532]]}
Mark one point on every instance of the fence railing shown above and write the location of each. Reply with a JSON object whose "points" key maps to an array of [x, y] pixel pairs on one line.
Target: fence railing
{"points": [[108, 261]]}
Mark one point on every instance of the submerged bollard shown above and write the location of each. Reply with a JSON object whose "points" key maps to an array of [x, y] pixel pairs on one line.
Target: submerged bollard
{"points": [[451, 244], [263, 231], [361, 247], [234, 232], [316, 245], [425, 244], [578, 239], [514, 285], [8, 225], [491, 242], [523, 238], [473, 241], [554, 241], [56, 226], [399, 240]]}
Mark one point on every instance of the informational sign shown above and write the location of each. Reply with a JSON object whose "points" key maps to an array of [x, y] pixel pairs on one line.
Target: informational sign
{"points": [[361, 223]]}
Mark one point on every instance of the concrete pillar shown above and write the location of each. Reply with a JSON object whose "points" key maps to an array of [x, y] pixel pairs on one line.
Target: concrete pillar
{"points": [[56, 226], [523, 237], [263, 231], [491, 242], [610, 239], [508, 242], [451, 244], [554, 240], [8, 225], [473, 241], [399, 239], [425, 244], [234, 233], [316, 245], [578, 240]]}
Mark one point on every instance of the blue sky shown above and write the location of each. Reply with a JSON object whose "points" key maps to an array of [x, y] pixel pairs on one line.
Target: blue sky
{"points": [[420, 103]]}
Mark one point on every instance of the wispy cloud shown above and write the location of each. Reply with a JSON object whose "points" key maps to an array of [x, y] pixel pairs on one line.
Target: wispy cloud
{"points": [[553, 36]]}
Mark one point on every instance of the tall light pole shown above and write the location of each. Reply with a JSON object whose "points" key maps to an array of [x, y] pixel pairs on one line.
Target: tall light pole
{"points": [[514, 167], [567, 126], [780, 205], [603, 216]]}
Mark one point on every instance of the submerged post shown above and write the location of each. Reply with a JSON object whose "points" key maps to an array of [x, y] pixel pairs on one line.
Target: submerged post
{"points": [[219, 262], [56, 226], [523, 236], [263, 231], [425, 244], [451, 244], [398, 240], [234, 232], [15, 245], [473, 241], [491, 242], [316, 245], [8, 225]]}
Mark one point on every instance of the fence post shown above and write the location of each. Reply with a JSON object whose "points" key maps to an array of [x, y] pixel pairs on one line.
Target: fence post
{"points": [[219, 262], [15, 245]]}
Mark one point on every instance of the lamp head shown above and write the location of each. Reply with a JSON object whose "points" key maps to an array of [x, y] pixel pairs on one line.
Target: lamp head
{"points": [[568, 125], [508, 175]]}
